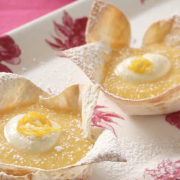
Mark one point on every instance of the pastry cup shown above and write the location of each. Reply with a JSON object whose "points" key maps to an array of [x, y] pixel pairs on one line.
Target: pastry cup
{"points": [[16, 90], [103, 33]]}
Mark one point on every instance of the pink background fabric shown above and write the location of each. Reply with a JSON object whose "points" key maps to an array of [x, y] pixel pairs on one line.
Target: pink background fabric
{"points": [[14, 13]]}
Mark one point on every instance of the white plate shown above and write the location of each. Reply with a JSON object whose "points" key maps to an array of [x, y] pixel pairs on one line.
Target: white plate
{"points": [[150, 144]]}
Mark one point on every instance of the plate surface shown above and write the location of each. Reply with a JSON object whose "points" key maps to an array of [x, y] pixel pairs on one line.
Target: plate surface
{"points": [[151, 144]]}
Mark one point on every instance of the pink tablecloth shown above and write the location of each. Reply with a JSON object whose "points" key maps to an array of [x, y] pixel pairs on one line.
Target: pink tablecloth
{"points": [[14, 13]]}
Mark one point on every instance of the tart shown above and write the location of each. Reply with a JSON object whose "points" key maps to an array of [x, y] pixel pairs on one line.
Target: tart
{"points": [[50, 137], [142, 81]]}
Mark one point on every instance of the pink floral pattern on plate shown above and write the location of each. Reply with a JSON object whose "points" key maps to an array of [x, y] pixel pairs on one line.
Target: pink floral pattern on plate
{"points": [[9, 53], [71, 33], [174, 119], [166, 170], [142, 1], [104, 119]]}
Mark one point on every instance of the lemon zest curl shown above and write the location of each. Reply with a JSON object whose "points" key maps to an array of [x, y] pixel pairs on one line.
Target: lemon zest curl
{"points": [[36, 129]]}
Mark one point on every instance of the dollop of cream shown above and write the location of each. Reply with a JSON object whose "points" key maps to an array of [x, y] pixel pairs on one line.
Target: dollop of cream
{"points": [[145, 68], [30, 144]]}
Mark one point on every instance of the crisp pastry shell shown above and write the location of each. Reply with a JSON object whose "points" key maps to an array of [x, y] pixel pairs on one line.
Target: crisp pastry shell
{"points": [[16, 90], [108, 24], [92, 57], [165, 31]]}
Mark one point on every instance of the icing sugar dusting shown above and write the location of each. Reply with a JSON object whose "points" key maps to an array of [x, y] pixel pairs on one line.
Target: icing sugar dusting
{"points": [[166, 170], [58, 148], [173, 37], [106, 143], [90, 58], [97, 8], [142, 155]]}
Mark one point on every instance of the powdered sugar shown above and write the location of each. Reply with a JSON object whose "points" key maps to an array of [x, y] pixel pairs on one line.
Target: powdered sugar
{"points": [[97, 7], [106, 143], [141, 154], [90, 58], [58, 148]]}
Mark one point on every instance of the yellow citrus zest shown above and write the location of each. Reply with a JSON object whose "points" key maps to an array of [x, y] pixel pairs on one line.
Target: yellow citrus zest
{"points": [[39, 125], [141, 65]]}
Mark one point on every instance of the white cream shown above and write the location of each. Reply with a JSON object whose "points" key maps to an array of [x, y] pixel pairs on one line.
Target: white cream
{"points": [[161, 65], [29, 144]]}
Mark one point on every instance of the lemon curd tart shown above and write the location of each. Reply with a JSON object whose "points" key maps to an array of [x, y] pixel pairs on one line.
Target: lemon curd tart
{"points": [[18, 145], [142, 73], [46, 136], [142, 81]]}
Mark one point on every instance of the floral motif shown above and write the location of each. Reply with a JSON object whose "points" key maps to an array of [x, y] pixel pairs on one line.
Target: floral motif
{"points": [[134, 41], [104, 119], [174, 119], [142, 1], [166, 170], [71, 33], [9, 53]]}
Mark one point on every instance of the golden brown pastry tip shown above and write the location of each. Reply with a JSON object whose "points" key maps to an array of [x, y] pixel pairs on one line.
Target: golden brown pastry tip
{"points": [[165, 31], [107, 23]]}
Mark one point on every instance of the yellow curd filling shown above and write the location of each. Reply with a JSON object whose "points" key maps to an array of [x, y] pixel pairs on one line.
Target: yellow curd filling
{"points": [[141, 90], [69, 148]]}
